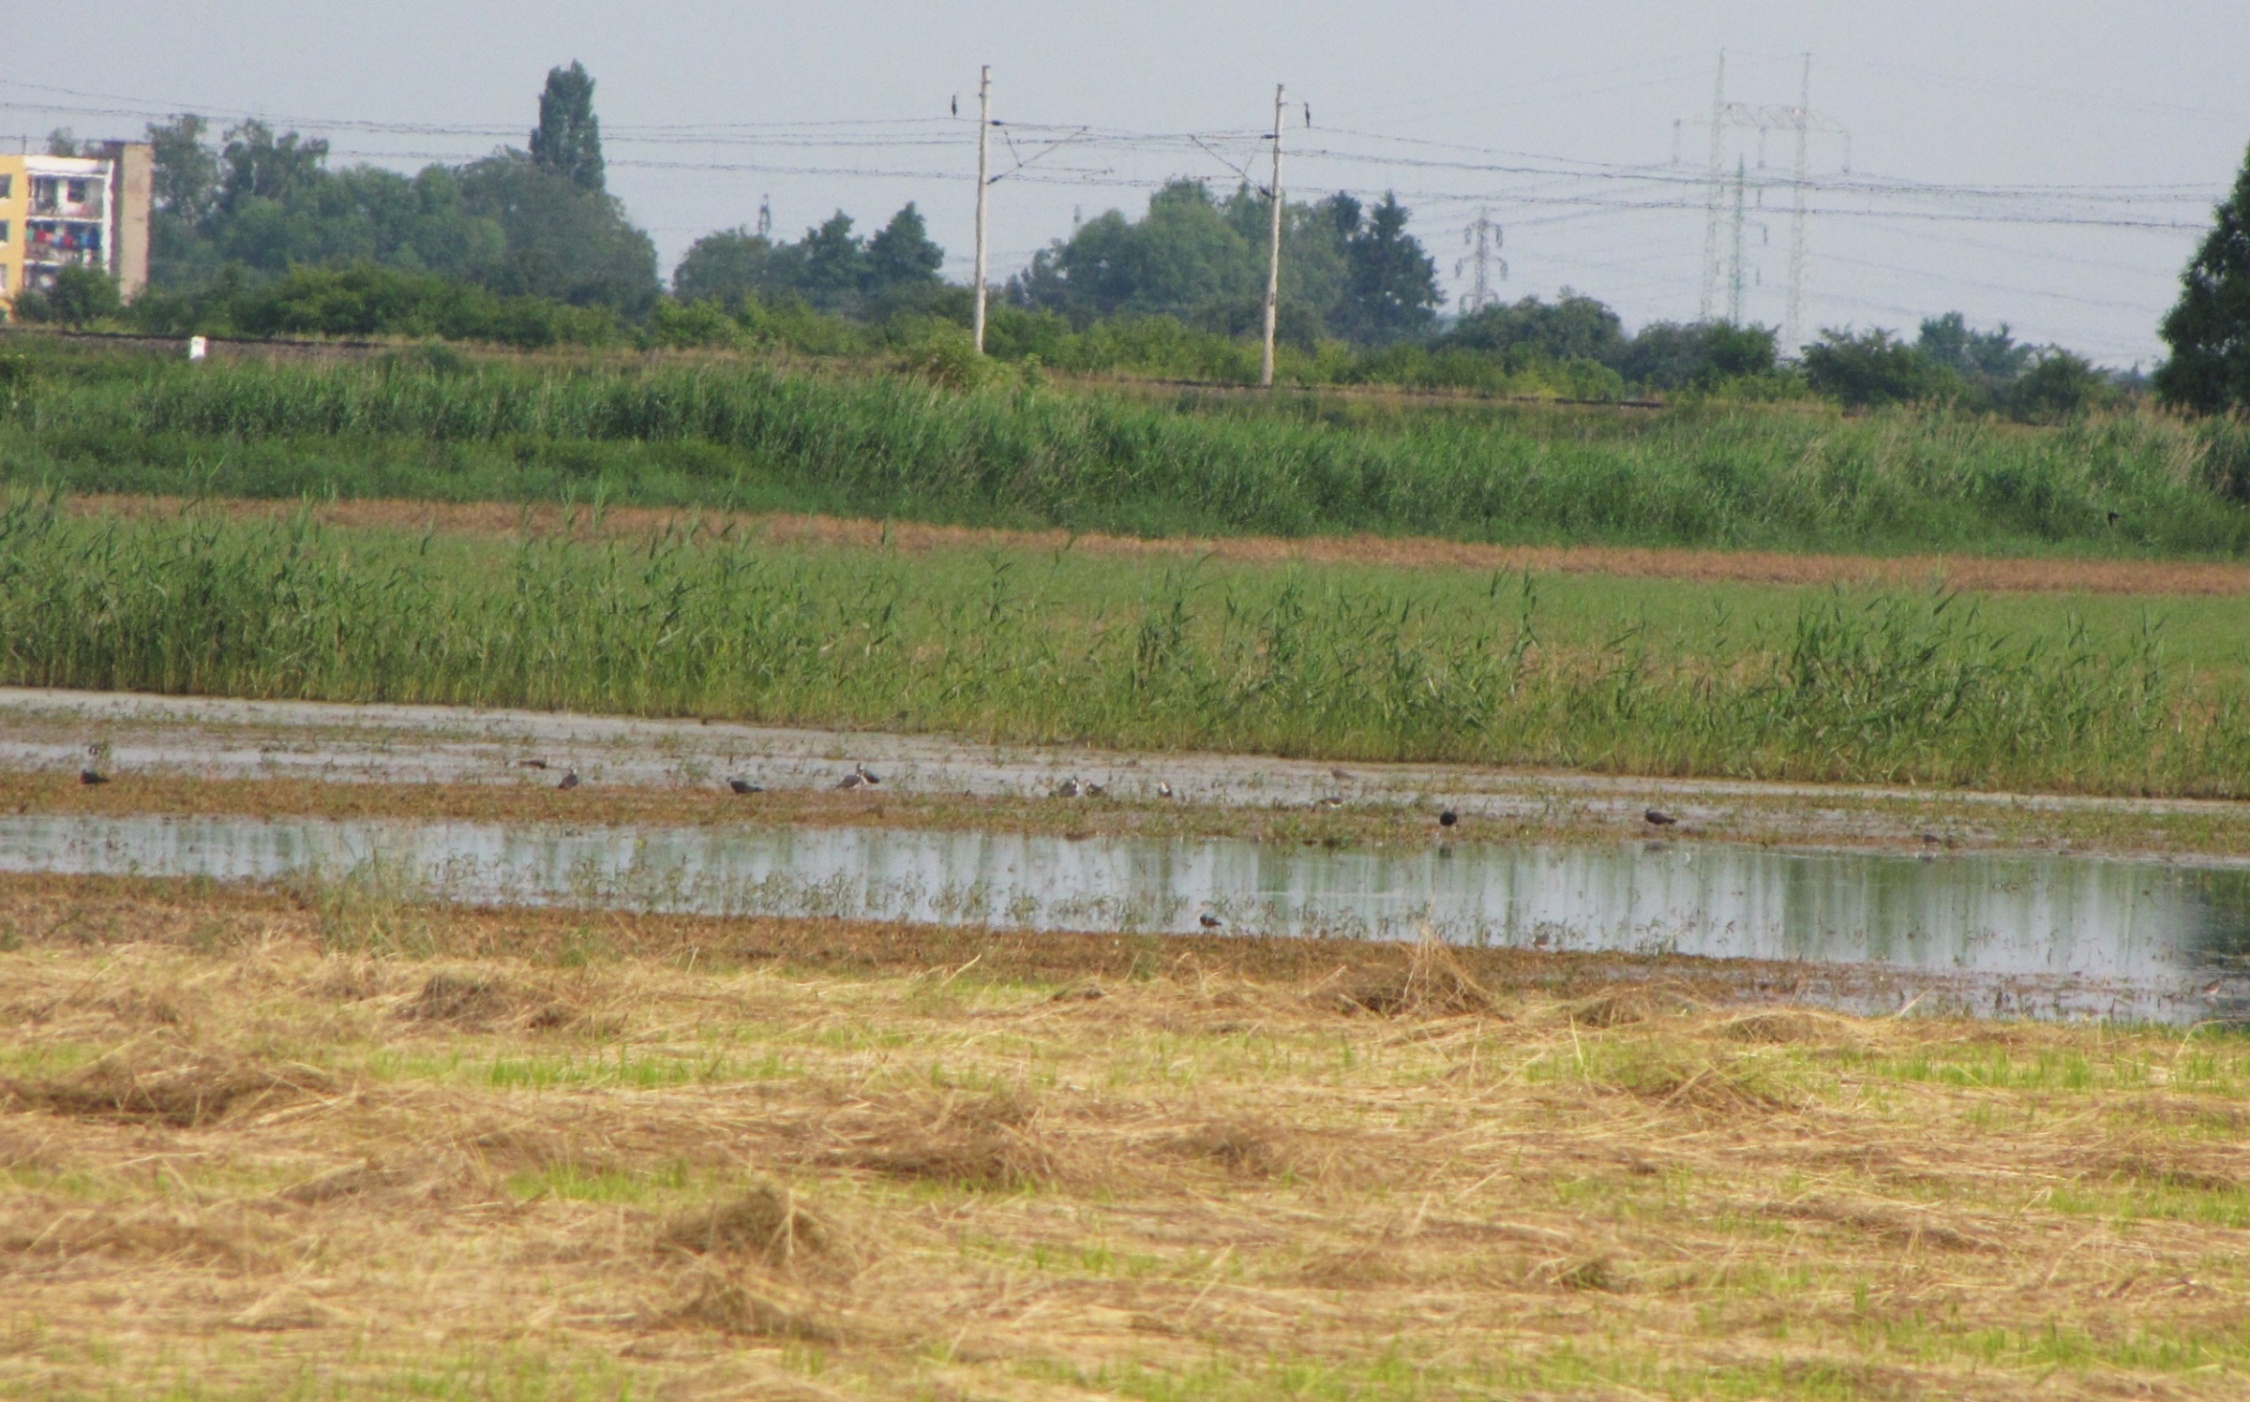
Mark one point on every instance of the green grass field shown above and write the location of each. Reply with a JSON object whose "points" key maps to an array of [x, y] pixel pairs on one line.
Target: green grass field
{"points": [[1659, 677], [433, 426]]}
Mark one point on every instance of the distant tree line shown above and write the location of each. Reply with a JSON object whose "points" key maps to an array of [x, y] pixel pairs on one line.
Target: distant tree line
{"points": [[253, 232], [1949, 361], [253, 205]]}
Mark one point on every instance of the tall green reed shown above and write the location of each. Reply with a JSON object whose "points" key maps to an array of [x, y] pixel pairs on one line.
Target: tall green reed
{"points": [[1856, 686], [1295, 465]]}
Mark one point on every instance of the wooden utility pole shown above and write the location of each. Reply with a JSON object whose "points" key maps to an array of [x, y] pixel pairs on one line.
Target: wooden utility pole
{"points": [[984, 187], [1273, 251]]}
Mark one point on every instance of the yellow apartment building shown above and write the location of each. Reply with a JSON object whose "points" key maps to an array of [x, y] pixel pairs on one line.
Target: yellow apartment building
{"points": [[88, 211]]}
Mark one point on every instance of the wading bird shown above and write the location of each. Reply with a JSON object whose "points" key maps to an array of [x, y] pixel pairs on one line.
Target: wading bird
{"points": [[1209, 921], [744, 786], [1658, 818], [569, 780]]}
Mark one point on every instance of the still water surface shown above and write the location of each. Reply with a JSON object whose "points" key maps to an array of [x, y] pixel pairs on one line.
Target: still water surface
{"points": [[2066, 934]]}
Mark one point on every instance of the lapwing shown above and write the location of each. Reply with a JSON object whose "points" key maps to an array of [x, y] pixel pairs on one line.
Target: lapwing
{"points": [[1658, 818], [569, 780], [744, 786]]}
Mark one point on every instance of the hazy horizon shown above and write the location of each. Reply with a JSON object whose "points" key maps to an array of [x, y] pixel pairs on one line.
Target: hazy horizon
{"points": [[2052, 167]]}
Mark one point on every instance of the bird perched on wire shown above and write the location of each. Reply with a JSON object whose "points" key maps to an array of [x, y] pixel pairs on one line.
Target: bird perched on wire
{"points": [[744, 786], [1658, 818], [569, 780]]}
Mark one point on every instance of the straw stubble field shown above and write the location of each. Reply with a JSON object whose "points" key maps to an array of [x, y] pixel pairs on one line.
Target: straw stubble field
{"points": [[298, 1143]]}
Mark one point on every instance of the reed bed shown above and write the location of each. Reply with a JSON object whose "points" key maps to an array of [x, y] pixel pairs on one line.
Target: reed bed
{"points": [[747, 436], [243, 1152], [1871, 685]]}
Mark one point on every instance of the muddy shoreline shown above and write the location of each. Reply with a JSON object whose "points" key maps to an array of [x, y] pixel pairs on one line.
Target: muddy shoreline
{"points": [[198, 755]]}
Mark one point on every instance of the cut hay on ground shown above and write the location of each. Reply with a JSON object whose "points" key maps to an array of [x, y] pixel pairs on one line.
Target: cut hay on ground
{"points": [[758, 1158]]}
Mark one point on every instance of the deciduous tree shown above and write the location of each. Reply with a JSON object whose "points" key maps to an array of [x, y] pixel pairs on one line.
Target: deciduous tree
{"points": [[2209, 329]]}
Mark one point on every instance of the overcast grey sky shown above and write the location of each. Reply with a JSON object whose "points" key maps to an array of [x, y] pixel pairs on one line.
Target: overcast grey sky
{"points": [[2067, 140]]}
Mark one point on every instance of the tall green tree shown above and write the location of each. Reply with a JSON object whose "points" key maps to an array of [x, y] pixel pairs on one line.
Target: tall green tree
{"points": [[568, 140], [562, 240], [186, 172], [258, 165], [1994, 356], [1391, 288], [2209, 329], [1202, 260], [901, 255], [1573, 327], [726, 267], [830, 268]]}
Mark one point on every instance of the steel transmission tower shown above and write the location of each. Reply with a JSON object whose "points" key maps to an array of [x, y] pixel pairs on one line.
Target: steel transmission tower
{"points": [[1798, 120], [1484, 239]]}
